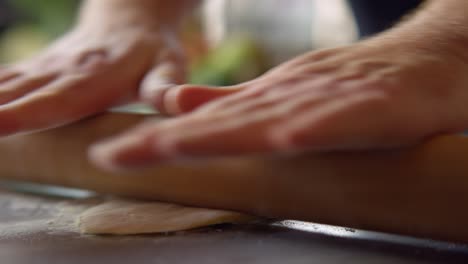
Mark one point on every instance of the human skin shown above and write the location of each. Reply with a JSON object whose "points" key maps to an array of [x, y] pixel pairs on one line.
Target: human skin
{"points": [[392, 90], [395, 89], [116, 48]]}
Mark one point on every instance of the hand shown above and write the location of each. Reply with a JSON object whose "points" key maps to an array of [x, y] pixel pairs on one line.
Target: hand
{"points": [[86, 72], [375, 94]]}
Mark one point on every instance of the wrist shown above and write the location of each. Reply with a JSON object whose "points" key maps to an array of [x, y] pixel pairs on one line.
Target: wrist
{"points": [[440, 27]]}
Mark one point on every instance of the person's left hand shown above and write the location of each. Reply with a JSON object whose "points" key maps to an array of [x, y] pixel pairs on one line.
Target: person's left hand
{"points": [[88, 70], [375, 94]]}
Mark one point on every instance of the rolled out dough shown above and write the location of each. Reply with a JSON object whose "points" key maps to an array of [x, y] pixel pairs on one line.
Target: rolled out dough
{"points": [[125, 217]]}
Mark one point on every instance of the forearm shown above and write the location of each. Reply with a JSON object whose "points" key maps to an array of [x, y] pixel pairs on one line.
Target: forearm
{"points": [[135, 12], [440, 25]]}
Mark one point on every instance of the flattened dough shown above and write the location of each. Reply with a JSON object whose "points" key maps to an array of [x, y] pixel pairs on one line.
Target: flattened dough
{"points": [[124, 217]]}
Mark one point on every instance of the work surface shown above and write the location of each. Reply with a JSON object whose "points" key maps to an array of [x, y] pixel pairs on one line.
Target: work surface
{"points": [[23, 239]]}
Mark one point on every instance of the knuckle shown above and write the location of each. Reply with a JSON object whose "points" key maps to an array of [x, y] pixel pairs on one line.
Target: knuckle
{"points": [[90, 60]]}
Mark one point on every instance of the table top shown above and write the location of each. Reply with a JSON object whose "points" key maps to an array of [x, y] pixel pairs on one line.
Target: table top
{"points": [[28, 234]]}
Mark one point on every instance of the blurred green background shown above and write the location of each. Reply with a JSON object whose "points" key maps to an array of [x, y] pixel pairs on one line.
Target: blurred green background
{"points": [[32, 25]]}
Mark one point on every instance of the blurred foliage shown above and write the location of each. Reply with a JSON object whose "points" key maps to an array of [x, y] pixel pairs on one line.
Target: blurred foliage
{"points": [[237, 59], [38, 22], [21, 42], [51, 16]]}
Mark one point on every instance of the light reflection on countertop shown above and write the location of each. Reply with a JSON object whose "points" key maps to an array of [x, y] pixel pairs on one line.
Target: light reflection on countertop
{"points": [[370, 236], [319, 229], [45, 190]]}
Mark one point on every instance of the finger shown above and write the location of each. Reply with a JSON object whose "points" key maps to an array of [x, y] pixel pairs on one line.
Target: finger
{"points": [[37, 110], [186, 98], [134, 148], [264, 88], [8, 74], [61, 101], [161, 76], [154, 143], [318, 57], [18, 87], [284, 95], [175, 100], [170, 69], [355, 122], [232, 137], [157, 81]]}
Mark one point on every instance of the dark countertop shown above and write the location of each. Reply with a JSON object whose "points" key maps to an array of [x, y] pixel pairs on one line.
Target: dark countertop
{"points": [[283, 242]]}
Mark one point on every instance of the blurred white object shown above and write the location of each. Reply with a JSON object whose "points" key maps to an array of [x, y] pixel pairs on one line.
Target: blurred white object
{"points": [[333, 24], [282, 28]]}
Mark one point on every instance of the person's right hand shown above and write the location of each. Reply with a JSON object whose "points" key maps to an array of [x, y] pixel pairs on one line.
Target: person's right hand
{"points": [[85, 72], [377, 94]]}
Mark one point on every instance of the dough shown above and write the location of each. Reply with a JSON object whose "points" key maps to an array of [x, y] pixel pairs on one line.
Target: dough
{"points": [[124, 217]]}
